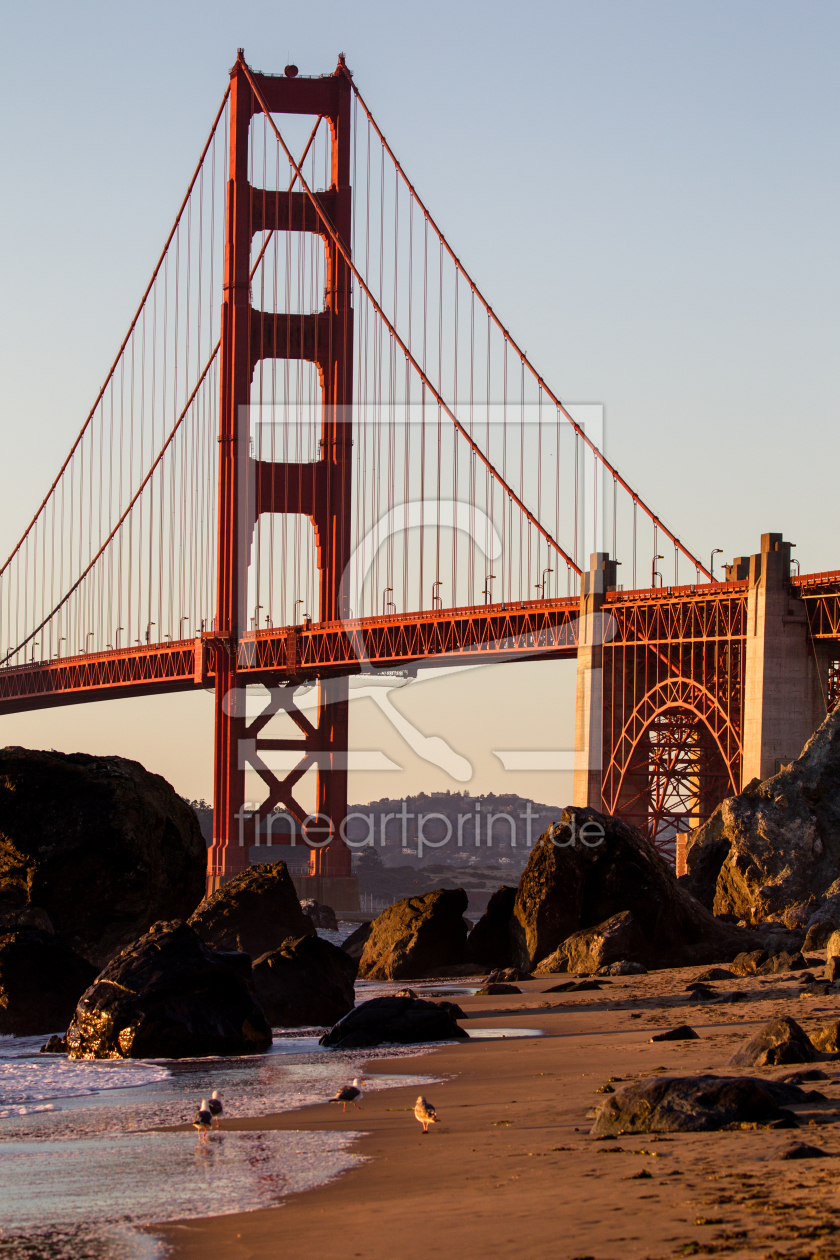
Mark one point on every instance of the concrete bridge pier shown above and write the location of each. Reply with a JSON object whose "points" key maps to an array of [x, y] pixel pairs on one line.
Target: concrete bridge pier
{"points": [[785, 672], [589, 704]]}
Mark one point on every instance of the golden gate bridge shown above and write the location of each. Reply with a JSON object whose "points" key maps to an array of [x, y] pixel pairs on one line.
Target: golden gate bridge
{"points": [[319, 452]]}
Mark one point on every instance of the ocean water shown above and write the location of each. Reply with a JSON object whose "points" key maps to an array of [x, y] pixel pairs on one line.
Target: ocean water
{"points": [[84, 1165]]}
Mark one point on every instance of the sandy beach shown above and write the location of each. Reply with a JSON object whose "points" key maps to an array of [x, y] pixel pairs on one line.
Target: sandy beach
{"points": [[511, 1166]]}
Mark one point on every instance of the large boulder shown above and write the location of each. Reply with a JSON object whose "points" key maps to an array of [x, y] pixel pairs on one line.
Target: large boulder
{"points": [[306, 981], [774, 849], [400, 1021], [169, 996], [41, 980], [618, 939], [589, 867], [99, 844], [780, 1041], [691, 1104], [489, 944], [256, 912], [415, 936]]}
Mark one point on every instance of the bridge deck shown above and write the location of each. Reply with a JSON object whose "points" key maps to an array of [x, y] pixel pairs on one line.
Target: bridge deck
{"points": [[539, 630]]}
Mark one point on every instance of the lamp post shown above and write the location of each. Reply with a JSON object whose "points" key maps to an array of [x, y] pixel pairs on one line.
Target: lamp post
{"points": [[654, 573], [540, 586], [489, 578], [437, 602], [718, 551]]}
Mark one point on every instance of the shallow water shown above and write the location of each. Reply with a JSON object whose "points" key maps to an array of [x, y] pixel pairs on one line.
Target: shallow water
{"points": [[82, 1165]]}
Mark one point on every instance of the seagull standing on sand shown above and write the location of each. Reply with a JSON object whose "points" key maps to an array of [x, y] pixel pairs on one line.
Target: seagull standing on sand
{"points": [[349, 1094], [216, 1107], [425, 1113], [203, 1120]]}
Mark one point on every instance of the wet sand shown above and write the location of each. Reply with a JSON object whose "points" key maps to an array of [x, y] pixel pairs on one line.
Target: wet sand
{"points": [[511, 1167]]}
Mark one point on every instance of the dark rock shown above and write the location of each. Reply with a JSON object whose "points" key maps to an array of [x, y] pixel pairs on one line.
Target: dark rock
{"points": [[28, 916], [588, 951], [748, 963], [801, 1150], [100, 845], [508, 975], [55, 1045], [416, 936], [702, 993], [393, 1021], [716, 973], [622, 968], [320, 916], [832, 969], [254, 912], [806, 977], [832, 946], [169, 996], [819, 934], [819, 989], [806, 1074], [453, 1009], [590, 867], [826, 1039], [489, 943], [679, 1104], [681, 1033], [572, 986], [404, 993], [781, 839], [354, 944], [786, 961], [305, 981], [496, 990], [41, 980], [780, 1041]]}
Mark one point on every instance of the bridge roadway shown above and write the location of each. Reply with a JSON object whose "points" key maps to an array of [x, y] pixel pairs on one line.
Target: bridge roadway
{"points": [[538, 630]]}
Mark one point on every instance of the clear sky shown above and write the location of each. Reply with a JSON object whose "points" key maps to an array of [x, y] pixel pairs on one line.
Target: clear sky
{"points": [[647, 192]]}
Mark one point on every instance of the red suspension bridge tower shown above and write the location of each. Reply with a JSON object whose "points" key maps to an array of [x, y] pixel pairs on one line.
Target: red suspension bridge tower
{"points": [[248, 487]]}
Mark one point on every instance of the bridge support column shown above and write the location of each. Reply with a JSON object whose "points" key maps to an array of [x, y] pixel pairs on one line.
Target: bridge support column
{"points": [[589, 706], [785, 672]]}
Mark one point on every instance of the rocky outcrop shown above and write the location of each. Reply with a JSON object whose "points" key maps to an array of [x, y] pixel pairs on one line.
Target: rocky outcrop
{"points": [[489, 943], [774, 849], [393, 1021], [748, 962], [306, 981], [618, 939], [255, 912], [697, 1104], [826, 1039], [169, 996], [780, 1041], [683, 1032], [41, 980], [319, 915], [416, 936], [100, 845], [589, 867]]}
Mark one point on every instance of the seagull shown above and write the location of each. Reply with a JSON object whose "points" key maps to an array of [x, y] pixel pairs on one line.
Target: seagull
{"points": [[203, 1120], [425, 1113], [216, 1107], [349, 1094]]}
